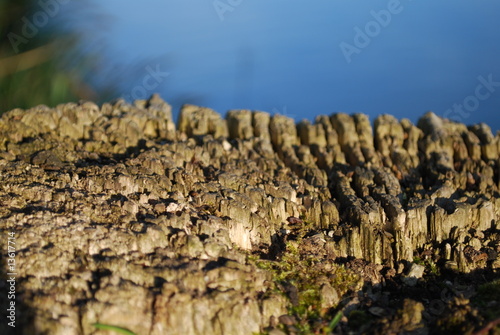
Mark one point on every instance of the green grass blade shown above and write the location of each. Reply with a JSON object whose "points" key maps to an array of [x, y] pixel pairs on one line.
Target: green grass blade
{"points": [[335, 320], [119, 330]]}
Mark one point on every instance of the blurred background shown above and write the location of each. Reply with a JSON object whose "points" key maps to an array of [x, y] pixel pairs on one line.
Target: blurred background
{"points": [[296, 58]]}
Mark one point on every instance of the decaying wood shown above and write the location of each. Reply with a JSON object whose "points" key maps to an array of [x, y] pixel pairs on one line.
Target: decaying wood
{"points": [[122, 217]]}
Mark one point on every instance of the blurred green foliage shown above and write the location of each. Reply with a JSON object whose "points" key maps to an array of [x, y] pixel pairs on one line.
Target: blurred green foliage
{"points": [[40, 58]]}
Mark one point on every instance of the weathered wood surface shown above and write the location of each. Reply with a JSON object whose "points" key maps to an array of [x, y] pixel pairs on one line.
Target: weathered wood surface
{"points": [[121, 217]]}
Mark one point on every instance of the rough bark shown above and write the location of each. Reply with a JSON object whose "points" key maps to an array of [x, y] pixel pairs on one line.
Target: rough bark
{"points": [[122, 218]]}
